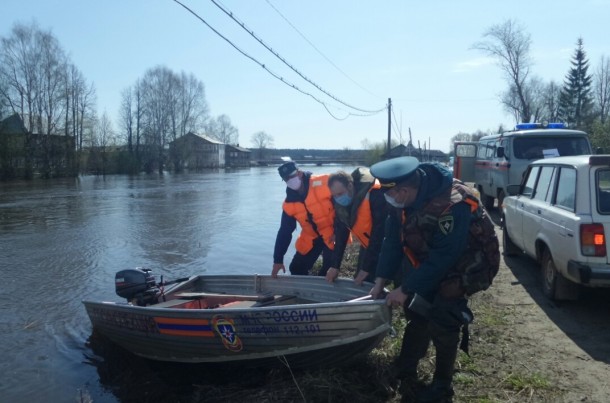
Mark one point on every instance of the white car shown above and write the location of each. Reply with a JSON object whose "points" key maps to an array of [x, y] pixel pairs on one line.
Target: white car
{"points": [[560, 215]]}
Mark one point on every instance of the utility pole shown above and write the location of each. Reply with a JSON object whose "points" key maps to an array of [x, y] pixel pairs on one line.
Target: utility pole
{"points": [[389, 124]]}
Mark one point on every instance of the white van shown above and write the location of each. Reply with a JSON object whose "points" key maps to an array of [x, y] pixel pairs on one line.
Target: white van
{"points": [[499, 160]]}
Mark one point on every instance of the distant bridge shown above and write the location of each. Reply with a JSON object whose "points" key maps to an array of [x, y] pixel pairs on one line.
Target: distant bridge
{"points": [[312, 161]]}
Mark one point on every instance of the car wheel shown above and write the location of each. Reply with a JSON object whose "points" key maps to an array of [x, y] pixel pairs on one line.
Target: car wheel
{"points": [[549, 275], [509, 247], [488, 201]]}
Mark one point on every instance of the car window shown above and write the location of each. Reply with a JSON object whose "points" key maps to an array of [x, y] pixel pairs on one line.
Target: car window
{"points": [[465, 150], [603, 191], [530, 182], [484, 150], [491, 150], [538, 147], [566, 188], [544, 183]]}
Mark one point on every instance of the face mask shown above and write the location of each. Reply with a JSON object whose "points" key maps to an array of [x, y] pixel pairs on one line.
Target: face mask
{"points": [[392, 201], [294, 183], [343, 200]]}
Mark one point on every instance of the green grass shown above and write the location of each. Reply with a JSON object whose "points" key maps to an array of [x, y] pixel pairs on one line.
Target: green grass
{"points": [[527, 382]]}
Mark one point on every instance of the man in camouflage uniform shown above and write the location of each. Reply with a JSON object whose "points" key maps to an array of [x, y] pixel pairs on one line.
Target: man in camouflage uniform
{"points": [[443, 244]]}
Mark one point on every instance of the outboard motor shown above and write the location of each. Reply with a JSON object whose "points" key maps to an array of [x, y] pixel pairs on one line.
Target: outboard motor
{"points": [[137, 286]]}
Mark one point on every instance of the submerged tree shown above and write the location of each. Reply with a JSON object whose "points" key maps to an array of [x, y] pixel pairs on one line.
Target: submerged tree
{"points": [[161, 107], [40, 84]]}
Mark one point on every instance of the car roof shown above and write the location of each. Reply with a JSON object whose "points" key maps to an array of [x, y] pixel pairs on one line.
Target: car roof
{"points": [[576, 160], [537, 133]]}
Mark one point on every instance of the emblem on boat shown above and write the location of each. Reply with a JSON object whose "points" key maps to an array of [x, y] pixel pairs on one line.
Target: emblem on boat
{"points": [[226, 330]]}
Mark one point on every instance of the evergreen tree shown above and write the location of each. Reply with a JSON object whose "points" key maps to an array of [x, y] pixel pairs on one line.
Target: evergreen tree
{"points": [[575, 100]]}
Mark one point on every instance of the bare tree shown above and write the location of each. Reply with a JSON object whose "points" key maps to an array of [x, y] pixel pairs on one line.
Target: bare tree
{"points": [[193, 109], [33, 67], [461, 136], [80, 105], [126, 116], [105, 135], [222, 130], [19, 60], [509, 44], [39, 83], [168, 106], [550, 98], [102, 138], [262, 141], [534, 93], [601, 88]]}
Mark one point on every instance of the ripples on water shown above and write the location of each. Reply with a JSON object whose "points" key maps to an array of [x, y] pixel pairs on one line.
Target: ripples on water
{"points": [[62, 241]]}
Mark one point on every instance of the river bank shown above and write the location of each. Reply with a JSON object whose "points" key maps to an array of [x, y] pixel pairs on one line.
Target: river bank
{"points": [[517, 353]]}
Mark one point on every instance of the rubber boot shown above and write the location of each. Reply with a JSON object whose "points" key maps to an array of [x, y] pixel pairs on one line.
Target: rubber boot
{"points": [[438, 391]]}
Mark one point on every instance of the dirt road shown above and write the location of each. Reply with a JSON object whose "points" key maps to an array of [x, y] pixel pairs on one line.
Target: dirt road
{"points": [[535, 349]]}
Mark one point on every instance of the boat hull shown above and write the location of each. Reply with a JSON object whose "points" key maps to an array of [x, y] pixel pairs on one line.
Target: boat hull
{"points": [[308, 322]]}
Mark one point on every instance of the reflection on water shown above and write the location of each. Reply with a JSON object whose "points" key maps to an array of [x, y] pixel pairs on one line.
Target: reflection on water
{"points": [[62, 241]]}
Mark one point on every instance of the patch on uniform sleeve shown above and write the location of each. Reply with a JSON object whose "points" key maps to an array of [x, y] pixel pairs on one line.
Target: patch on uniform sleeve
{"points": [[445, 223]]}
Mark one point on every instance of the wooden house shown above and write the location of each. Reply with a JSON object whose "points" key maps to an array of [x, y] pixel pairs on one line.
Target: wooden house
{"points": [[237, 156], [196, 151]]}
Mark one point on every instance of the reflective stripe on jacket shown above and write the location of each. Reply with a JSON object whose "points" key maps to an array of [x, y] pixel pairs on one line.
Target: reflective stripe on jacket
{"points": [[316, 215]]}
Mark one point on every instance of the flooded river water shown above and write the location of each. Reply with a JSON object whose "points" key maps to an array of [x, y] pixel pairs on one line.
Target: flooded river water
{"points": [[62, 241]]}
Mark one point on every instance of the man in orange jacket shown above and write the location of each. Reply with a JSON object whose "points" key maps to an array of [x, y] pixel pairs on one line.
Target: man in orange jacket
{"points": [[308, 202], [360, 208]]}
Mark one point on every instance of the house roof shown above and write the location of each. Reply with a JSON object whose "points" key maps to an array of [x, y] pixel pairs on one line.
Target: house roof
{"points": [[238, 148], [409, 149], [12, 125], [200, 136]]}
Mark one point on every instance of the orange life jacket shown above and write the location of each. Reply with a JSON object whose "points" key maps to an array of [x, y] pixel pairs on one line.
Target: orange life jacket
{"points": [[364, 221], [318, 207]]}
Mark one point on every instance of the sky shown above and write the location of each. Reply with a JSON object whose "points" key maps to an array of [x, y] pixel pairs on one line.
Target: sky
{"points": [[419, 54]]}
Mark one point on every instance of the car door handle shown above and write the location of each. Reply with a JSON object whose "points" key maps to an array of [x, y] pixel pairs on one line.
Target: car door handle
{"points": [[539, 211]]}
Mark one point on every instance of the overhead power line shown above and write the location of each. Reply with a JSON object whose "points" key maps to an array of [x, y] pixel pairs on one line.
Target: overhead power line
{"points": [[395, 125], [265, 67], [276, 54], [318, 50]]}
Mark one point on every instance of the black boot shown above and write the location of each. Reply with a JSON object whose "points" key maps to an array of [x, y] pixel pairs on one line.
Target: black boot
{"points": [[437, 391]]}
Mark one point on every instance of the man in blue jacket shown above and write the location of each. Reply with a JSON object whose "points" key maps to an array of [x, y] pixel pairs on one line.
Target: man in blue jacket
{"points": [[437, 228]]}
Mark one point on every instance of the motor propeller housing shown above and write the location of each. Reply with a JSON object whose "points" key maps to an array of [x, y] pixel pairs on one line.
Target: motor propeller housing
{"points": [[137, 285]]}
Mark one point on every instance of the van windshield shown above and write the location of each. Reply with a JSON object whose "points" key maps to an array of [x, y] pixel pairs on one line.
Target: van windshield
{"points": [[533, 148]]}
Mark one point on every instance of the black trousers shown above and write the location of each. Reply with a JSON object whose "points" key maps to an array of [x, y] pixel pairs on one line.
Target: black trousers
{"points": [[442, 330], [302, 264]]}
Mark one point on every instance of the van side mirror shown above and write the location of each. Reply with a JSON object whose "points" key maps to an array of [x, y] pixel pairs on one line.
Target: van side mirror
{"points": [[513, 190], [500, 152]]}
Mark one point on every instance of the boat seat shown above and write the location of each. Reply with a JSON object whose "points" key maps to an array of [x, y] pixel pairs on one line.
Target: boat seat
{"points": [[198, 295], [239, 304], [172, 303], [278, 300]]}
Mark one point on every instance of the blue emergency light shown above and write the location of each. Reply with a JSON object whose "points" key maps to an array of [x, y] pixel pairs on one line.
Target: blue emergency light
{"points": [[528, 126]]}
